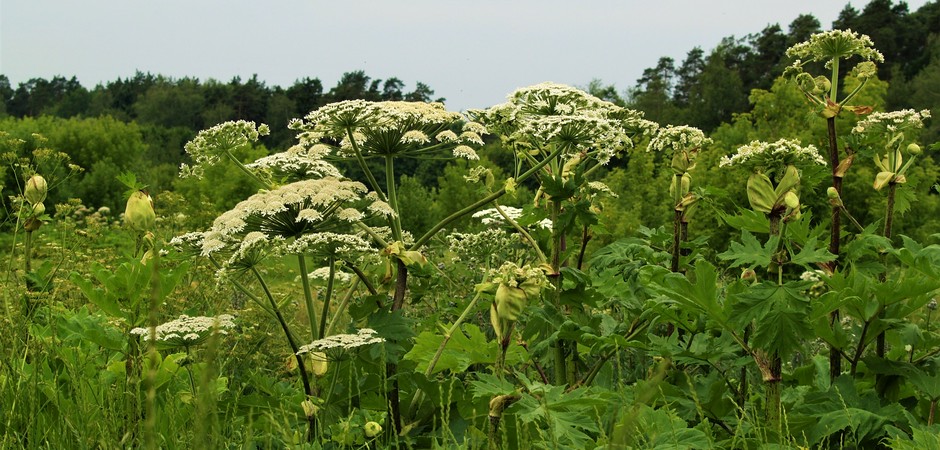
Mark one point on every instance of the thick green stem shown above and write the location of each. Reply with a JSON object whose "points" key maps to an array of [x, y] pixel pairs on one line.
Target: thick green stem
{"points": [[522, 231], [329, 294], [342, 307], [290, 338], [880, 345], [560, 366], [308, 297], [245, 170], [393, 196], [440, 349], [834, 86], [365, 167], [476, 205], [835, 356], [676, 239], [29, 252]]}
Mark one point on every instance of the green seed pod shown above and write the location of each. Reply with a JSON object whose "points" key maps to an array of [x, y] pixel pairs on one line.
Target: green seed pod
{"points": [[760, 193], [914, 149], [36, 189], [139, 214]]}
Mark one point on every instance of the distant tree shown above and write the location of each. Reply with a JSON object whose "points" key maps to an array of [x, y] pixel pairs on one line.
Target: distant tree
{"points": [[801, 28], [422, 93], [688, 83], [58, 96], [391, 89], [307, 95], [608, 92], [352, 86], [171, 103], [249, 99], [653, 92], [6, 94]]}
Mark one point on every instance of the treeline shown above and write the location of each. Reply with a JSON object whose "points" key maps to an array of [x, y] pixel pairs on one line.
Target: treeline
{"points": [[706, 88], [141, 123], [187, 105]]}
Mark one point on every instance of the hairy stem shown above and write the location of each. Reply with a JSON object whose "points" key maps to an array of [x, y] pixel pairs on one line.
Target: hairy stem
{"points": [[308, 296], [329, 295], [880, 345], [835, 357], [522, 231], [290, 338], [489, 198], [365, 167]]}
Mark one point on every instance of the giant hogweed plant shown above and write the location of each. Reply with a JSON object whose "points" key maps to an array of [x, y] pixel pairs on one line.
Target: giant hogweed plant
{"points": [[832, 48]]}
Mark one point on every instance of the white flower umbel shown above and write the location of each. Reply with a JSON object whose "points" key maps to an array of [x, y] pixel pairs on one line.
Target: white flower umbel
{"points": [[342, 342], [555, 114], [187, 331], [389, 128], [298, 162], [835, 44], [678, 138], [288, 211], [767, 156], [891, 123], [492, 216], [211, 145]]}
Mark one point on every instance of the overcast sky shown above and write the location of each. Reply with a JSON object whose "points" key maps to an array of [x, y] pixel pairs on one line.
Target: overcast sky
{"points": [[472, 52]]}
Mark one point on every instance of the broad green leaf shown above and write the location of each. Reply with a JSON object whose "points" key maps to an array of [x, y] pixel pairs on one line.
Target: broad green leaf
{"points": [[749, 252]]}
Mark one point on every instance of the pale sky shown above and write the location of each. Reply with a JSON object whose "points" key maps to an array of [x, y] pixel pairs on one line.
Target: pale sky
{"points": [[472, 52]]}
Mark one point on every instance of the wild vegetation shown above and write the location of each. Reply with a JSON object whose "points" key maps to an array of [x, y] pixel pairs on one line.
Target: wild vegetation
{"points": [[364, 268]]}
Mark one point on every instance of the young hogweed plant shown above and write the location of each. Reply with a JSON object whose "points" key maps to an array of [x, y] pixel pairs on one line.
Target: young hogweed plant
{"points": [[683, 144], [565, 134]]}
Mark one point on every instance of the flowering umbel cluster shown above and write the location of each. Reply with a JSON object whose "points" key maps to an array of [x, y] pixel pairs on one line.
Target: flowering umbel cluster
{"points": [[211, 145], [545, 114], [390, 128], [187, 331], [893, 129], [772, 157], [833, 44], [780, 159], [365, 336]]}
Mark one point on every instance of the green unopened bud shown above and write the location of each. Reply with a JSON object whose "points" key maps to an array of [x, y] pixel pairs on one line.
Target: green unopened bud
{"points": [[139, 214], [36, 189], [791, 200], [38, 210], [789, 181], [914, 149], [748, 275], [310, 408], [866, 69], [760, 193], [372, 429], [318, 364], [834, 198], [509, 302], [822, 85], [882, 179], [682, 162]]}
